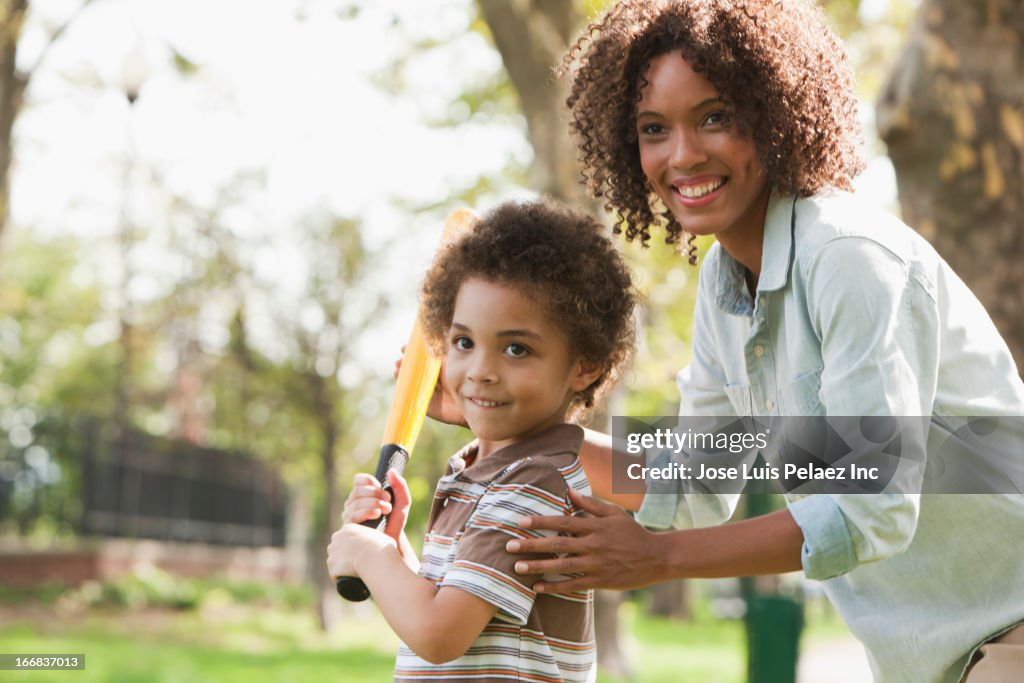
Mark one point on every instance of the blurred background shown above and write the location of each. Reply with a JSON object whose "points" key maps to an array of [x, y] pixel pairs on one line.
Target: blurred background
{"points": [[214, 217]]}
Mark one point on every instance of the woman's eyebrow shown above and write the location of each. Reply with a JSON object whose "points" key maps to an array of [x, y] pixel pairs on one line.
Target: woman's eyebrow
{"points": [[717, 99]]}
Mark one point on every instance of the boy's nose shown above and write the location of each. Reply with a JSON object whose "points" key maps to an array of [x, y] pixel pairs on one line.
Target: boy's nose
{"points": [[483, 370]]}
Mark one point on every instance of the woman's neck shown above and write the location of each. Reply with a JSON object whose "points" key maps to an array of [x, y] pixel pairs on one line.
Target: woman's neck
{"points": [[744, 241]]}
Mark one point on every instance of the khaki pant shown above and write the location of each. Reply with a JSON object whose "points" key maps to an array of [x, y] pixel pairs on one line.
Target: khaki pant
{"points": [[1000, 660]]}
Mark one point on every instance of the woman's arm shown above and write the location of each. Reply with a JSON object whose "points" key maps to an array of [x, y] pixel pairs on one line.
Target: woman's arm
{"points": [[596, 457], [614, 552]]}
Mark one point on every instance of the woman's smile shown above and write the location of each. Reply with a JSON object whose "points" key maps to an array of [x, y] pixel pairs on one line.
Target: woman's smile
{"points": [[696, 193], [699, 160]]}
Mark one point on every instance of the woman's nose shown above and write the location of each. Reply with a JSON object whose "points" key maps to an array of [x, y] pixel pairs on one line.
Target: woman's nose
{"points": [[686, 151]]}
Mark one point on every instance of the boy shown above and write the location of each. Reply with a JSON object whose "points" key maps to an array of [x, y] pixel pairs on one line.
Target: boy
{"points": [[533, 311]]}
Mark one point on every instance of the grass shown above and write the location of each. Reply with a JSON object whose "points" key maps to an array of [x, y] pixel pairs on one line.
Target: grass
{"points": [[225, 641], [232, 645], [666, 651]]}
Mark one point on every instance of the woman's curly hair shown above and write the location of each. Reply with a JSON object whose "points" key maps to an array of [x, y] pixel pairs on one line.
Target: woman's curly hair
{"points": [[561, 259], [777, 62]]}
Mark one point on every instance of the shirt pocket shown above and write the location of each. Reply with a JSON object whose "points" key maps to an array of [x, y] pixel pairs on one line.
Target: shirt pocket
{"points": [[802, 396], [739, 397]]}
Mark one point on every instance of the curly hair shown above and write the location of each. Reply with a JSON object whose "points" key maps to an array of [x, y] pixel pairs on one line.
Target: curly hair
{"points": [[776, 61], [562, 259]]}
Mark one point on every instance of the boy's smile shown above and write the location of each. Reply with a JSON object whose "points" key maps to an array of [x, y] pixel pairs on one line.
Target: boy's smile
{"points": [[509, 364]]}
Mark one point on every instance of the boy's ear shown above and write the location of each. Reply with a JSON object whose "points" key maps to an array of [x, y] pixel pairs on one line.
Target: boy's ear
{"points": [[586, 374]]}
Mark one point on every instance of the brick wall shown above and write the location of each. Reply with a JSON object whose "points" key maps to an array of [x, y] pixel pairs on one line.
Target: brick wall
{"points": [[115, 558]]}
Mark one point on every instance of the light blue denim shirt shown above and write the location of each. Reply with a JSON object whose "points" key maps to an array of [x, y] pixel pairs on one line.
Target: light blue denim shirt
{"points": [[855, 314]]}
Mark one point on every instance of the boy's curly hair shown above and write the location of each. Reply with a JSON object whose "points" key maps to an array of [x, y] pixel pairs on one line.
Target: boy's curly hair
{"points": [[562, 260], [776, 61]]}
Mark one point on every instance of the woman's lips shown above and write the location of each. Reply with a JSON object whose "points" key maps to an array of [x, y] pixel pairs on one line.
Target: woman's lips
{"points": [[703, 197]]}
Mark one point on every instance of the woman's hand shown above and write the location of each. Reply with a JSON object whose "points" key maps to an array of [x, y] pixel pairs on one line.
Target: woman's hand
{"points": [[605, 545], [443, 406]]}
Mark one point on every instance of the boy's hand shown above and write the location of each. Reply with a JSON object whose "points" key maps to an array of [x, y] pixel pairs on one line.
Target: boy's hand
{"points": [[350, 544], [369, 500], [442, 407]]}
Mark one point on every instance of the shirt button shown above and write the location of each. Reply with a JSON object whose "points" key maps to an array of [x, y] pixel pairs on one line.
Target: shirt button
{"points": [[758, 350], [769, 404]]}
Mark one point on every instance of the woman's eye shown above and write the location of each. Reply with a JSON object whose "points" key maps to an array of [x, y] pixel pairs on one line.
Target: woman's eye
{"points": [[517, 350], [462, 343], [718, 118], [652, 129]]}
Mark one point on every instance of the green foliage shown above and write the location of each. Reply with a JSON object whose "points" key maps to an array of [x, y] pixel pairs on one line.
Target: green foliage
{"points": [[46, 594], [153, 589], [872, 41], [49, 314], [40, 477], [284, 409], [51, 368], [492, 98], [284, 595], [668, 284], [149, 587]]}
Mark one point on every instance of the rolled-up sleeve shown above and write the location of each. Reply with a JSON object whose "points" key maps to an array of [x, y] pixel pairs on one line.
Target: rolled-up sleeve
{"points": [[841, 532], [879, 334]]}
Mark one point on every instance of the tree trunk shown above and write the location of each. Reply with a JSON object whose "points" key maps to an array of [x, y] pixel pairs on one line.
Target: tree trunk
{"points": [[611, 656], [531, 36], [13, 82], [671, 599], [952, 115], [12, 89], [328, 602]]}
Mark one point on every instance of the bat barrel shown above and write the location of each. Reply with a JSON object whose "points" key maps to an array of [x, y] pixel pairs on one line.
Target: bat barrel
{"points": [[392, 457]]}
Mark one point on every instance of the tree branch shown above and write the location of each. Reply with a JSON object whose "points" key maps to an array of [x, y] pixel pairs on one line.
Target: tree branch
{"points": [[26, 77]]}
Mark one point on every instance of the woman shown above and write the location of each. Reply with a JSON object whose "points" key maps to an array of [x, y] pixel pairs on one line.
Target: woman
{"points": [[737, 119]]}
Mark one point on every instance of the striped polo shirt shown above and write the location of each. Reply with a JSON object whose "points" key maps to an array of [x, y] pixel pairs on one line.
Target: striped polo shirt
{"points": [[548, 638]]}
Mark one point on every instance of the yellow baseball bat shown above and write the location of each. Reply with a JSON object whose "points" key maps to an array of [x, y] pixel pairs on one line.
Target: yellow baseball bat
{"points": [[413, 390]]}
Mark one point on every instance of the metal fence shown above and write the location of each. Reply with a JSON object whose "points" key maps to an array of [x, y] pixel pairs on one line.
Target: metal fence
{"points": [[135, 485]]}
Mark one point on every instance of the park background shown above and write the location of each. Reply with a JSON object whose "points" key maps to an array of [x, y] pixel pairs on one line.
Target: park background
{"points": [[214, 217]]}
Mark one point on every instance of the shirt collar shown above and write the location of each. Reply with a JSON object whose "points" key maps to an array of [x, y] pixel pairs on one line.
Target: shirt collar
{"points": [[558, 440], [731, 293]]}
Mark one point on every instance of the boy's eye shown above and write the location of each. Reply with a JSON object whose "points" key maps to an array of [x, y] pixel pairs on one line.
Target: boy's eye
{"points": [[517, 350], [462, 343]]}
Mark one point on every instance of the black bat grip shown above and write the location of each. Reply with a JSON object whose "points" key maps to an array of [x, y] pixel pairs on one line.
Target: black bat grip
{"points": [[392, 457]]}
